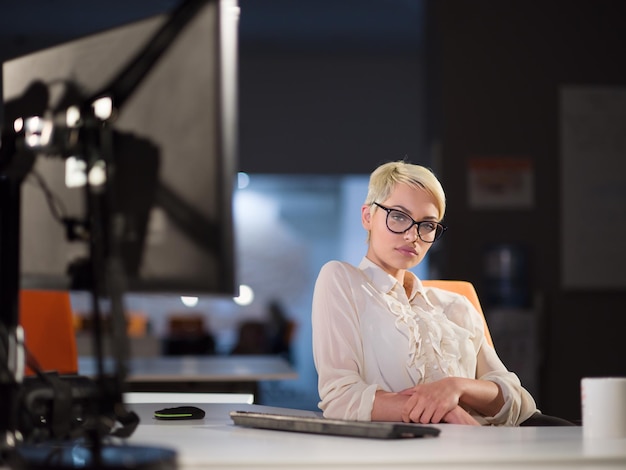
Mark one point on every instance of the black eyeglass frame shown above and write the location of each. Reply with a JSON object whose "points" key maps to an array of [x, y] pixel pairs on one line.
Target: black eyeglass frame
{"points": [[413, 222]]}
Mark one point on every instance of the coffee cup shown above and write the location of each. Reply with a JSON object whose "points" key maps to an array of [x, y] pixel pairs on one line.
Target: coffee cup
{"points": [[603, 402]]}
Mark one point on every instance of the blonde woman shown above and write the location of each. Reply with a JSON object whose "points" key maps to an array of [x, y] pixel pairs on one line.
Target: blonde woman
{"points": [[388, 349]]}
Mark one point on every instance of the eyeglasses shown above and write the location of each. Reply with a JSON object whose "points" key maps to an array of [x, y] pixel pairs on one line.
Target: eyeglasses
{"points": [[400, 222]]}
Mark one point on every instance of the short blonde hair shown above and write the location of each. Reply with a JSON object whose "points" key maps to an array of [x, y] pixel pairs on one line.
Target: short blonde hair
{"points": [[384, 179]]}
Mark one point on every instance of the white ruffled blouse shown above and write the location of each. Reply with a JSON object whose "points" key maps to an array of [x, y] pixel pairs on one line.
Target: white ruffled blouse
{"points": [[368, 336]]}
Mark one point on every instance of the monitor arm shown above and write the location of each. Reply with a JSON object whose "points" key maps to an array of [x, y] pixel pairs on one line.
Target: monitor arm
{"points": [[15, 163], [18, 151]]}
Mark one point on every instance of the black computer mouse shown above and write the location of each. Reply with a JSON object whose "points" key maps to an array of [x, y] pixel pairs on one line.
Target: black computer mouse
{"points": [[180, 412]]}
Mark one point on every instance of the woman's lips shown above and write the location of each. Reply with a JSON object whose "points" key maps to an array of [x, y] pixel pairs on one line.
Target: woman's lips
{"points": [[407, 250]]}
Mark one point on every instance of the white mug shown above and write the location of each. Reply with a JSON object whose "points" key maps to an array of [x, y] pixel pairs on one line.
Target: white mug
{"points": [[603, 407]]}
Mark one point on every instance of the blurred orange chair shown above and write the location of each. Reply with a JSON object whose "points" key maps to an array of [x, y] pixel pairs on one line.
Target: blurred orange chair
{"points": [[49, 334], [464, 288]]}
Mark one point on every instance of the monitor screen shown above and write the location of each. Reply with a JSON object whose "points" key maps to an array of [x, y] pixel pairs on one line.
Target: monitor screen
{"points": [[175, 150]]}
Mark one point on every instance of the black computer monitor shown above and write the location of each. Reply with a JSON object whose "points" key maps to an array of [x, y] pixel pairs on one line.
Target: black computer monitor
{"points": [[179, 125]]}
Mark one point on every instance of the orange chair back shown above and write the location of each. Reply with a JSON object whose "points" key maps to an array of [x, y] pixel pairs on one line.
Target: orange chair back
{"points": [[467, 289], [49, 335]]}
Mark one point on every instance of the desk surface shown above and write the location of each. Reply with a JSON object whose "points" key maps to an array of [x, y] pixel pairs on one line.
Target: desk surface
{"points": [[215, 442], [199, 368]]}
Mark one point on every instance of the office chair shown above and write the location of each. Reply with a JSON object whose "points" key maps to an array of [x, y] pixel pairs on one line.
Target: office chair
{"points": [[467, 289], [49, 335]]}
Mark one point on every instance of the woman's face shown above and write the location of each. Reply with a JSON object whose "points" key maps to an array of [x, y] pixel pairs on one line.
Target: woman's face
{"points": [[397, 252]]}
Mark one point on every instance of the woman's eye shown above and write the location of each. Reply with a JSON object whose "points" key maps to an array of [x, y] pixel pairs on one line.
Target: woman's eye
{"points": [[399, 217]]}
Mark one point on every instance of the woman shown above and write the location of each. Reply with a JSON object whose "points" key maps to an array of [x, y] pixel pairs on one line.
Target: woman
{"points": [[388, 349]]}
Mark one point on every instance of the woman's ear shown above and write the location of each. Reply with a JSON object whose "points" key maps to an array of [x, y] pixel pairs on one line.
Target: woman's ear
{"points": [[366, 216]]}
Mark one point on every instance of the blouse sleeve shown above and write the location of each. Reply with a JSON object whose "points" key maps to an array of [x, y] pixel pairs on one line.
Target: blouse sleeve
{"points": [[519, 404], [337, 350]]}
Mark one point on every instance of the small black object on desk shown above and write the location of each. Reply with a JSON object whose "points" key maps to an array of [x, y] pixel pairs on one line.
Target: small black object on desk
{"points": [[180, 412]]}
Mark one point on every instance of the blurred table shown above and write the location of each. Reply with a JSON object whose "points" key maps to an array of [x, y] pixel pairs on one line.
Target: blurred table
{"points": [[209, 374]]}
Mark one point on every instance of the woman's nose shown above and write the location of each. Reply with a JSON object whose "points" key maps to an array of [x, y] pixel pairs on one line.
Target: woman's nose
{"points": [[411, 234]]}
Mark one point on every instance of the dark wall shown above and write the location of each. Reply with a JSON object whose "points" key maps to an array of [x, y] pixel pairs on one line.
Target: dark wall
{"points": [[329, 113], [500, 66], [330, 87]]}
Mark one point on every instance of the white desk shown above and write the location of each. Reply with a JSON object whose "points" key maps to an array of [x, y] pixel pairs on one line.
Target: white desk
{"points": [[215, 442]]}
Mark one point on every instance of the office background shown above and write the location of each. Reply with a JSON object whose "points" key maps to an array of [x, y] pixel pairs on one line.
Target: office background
{"points": [[329, 89]]}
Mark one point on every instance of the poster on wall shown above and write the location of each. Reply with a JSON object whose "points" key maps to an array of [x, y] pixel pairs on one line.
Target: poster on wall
{"points": [[593, 187], [500, 182]]}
